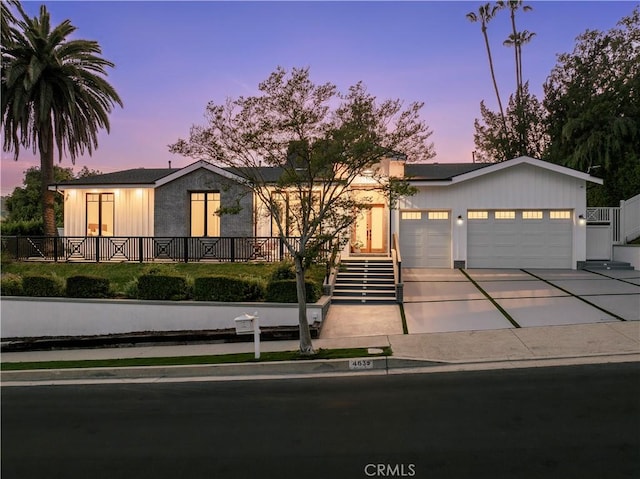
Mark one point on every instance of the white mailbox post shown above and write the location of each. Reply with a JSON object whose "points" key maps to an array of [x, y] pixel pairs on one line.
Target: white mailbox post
{"points": [[248, 324]]}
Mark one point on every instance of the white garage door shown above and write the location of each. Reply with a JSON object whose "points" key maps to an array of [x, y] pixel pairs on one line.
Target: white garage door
{"points": [[425, 239], [519, 239]]}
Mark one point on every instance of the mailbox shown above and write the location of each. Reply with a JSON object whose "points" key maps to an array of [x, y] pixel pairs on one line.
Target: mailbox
{"points": [[245, 324], [248, 324]]}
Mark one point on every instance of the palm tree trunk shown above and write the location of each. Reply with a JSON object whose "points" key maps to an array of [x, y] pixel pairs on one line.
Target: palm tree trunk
{"points": [[497, 91], [46, 171]]}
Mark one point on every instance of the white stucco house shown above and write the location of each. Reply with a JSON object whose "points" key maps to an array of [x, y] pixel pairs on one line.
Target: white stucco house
{"points": [[522, 213]]}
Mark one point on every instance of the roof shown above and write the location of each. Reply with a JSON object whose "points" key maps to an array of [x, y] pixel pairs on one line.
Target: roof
{"points": [[439, 171], [447, 173], [136, 176]]}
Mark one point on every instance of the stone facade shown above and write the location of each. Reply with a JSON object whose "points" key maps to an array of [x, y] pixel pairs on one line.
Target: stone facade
{"points": [[172, 208]]}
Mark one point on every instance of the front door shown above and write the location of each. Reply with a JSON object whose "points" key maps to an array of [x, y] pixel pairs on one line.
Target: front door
{"points": [[369, 232]]}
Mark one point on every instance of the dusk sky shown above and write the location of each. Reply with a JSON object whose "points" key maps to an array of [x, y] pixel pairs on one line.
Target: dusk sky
{"points": [[173, 57]]}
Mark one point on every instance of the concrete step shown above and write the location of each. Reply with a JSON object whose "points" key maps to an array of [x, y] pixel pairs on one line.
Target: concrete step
{"points": [[604, 265], [369, 293], [361, 300], [372, 282]]}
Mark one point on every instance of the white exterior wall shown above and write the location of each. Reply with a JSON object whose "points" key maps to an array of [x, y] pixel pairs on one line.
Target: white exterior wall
{"points": [[133, 211], [518, 187]]}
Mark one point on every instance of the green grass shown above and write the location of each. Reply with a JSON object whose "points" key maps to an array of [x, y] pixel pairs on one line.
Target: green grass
{"points": [[195, 360], [119, 274]]}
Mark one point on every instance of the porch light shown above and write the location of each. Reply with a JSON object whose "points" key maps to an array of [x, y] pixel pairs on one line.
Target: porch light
{"points": [[460, 220], [581, 220], [368, 172]]}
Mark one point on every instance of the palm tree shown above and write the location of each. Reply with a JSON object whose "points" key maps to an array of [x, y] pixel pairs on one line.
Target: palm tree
{"points": [[53, 93], [484, 15], [517, 39]]}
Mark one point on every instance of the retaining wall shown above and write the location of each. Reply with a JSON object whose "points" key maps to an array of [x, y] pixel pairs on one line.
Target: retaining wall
{"points": [[52, 317]]}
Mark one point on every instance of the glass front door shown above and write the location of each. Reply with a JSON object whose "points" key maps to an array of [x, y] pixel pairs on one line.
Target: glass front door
{"points": [[369, 232]]}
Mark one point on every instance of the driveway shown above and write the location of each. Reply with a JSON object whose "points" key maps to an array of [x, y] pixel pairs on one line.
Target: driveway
{"points": [[443, 300]]}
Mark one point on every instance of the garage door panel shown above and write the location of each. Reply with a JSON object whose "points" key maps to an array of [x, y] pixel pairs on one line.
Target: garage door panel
{"points": [[425, 243], [519, 242]]}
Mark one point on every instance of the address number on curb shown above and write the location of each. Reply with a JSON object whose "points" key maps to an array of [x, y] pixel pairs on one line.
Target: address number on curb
{"points": [[360, 364]]}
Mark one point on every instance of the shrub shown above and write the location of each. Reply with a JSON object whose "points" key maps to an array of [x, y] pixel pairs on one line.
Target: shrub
{"points": [[161, 286], [285, 270], [87, 287], [42, 286], [22, 228], [223, 288], [284, 291], [11, 285]]}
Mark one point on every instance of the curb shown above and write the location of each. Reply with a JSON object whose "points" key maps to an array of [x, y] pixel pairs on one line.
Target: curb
{"points": [[256, 370]]}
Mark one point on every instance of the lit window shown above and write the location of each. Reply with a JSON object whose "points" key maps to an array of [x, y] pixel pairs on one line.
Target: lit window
{"points": [[205, 220], [505, 215], [478, 215], [532, 215], [100, 209], [438, 215], [411, 215], [560, 215]]}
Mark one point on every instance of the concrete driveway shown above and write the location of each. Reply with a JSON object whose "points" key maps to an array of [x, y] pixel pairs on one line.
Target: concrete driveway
{"points": [[443, 300]]}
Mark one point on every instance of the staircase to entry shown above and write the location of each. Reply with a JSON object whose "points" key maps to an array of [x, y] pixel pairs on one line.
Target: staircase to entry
{"points": [[366, 280]]}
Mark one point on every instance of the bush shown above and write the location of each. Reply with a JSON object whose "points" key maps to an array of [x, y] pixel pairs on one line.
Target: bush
{"points": [[223, 288], [87, 287], [284, 291], [42, 286], [11, 285], [22, 228], [285, 270], [161, 286]]}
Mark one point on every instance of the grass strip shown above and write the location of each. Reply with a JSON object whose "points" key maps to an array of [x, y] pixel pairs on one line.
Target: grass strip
{"points": [[405, 329], [195, 360], [575, 296], [493, 301]]}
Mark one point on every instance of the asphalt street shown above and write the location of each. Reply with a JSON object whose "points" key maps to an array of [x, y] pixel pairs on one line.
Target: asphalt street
{"points": [[559, 422]]}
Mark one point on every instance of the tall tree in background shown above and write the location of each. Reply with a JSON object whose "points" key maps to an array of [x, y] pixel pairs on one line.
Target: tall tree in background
{"points": [[516, 39], [484, 15], [53, 95], [593, 100], [514, 134], [321, 141]]}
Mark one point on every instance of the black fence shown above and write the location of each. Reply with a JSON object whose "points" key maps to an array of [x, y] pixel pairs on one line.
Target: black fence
{"points": [[145, 248]]}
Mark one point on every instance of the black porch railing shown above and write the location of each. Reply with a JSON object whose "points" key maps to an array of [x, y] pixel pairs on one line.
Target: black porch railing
{"points": [[145, 248]]}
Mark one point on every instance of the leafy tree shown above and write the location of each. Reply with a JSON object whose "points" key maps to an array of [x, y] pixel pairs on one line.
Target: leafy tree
{"points": [[594, 112], [492, 144], [322, 141], [25, 202], [53, 93]]}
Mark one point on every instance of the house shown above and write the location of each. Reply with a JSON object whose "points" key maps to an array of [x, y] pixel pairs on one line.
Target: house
{"points": [[516, 214]]}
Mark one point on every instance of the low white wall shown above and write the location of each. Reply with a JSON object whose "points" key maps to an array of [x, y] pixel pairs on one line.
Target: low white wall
{"points": [[44, 317], [628, 254]]}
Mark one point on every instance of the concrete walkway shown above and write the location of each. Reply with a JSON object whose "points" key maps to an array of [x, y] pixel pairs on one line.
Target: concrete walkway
{"points": [[464, 346]]}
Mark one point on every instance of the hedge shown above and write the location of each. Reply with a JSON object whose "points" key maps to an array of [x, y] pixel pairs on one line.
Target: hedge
{"points": [[223, 288], [11, 285], [42, 286], [162, 287], [87, 287], [284, 291]]}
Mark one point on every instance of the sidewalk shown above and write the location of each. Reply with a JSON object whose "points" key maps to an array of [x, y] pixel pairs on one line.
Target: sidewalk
{"points": [[505, 346]]}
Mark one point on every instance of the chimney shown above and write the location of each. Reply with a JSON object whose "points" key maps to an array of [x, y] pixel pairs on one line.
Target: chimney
{"points": [[169, 164]]}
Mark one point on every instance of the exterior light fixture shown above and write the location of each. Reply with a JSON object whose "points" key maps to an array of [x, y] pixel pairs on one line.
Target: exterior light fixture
{"points": [[460, 220], [581, 220]]}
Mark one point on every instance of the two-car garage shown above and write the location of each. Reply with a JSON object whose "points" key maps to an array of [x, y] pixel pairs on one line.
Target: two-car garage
{"points": [[494, 239], [519, 239]]}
